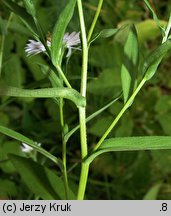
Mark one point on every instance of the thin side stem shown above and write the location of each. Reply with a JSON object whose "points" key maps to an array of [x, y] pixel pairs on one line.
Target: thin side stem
{"points": [[63, 76], [3, 41], [167, 30], [126, 106], [95, 20], [82, 110], [1, 51], [64, 161], [65, 175]]}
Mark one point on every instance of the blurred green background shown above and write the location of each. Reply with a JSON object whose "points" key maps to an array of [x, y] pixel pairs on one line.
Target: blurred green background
{"points": [[125, 175]]}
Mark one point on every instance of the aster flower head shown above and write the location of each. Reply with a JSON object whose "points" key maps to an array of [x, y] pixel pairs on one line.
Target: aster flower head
{"points": [[70, 41], [35, 47]]}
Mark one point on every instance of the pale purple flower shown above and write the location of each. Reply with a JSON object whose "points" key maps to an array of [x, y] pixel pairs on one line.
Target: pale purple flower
{"points": [[35, 47], [69, 40]]}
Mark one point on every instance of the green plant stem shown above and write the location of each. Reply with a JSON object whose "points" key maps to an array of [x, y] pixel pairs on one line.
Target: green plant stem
{"points": [[3, 41], [84, 51], [65, 175], [63, 76], [95, 20], [63, 149], [84, 152], [82, 110], [83, 180], [89, 118], [126, 106], [167, 30], [1, 51]]}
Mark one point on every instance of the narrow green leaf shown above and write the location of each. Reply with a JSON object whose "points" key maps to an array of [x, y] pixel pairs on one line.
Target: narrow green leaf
{"points": [[39, 179], [67, 93], [130, 61], [105, 33], [30, 7], [154, 59], [20, 11], [23, 139], [132, 144], [59, 30], [155, 17], [153, 191]]}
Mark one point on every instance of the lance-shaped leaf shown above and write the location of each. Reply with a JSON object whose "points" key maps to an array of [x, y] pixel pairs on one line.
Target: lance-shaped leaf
{"points": [[59, 30], [67, 93], [130, 61], [132, 144], [40, 180], [155, 17], [105, 33], [154, 59], [30, 7], [23, 139], [22, 13]]}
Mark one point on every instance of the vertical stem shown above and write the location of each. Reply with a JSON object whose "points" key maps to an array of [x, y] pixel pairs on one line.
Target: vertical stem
{"points": [[95, 20], [84, 50], [84, 152], [83, 180], [82, 110]]}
